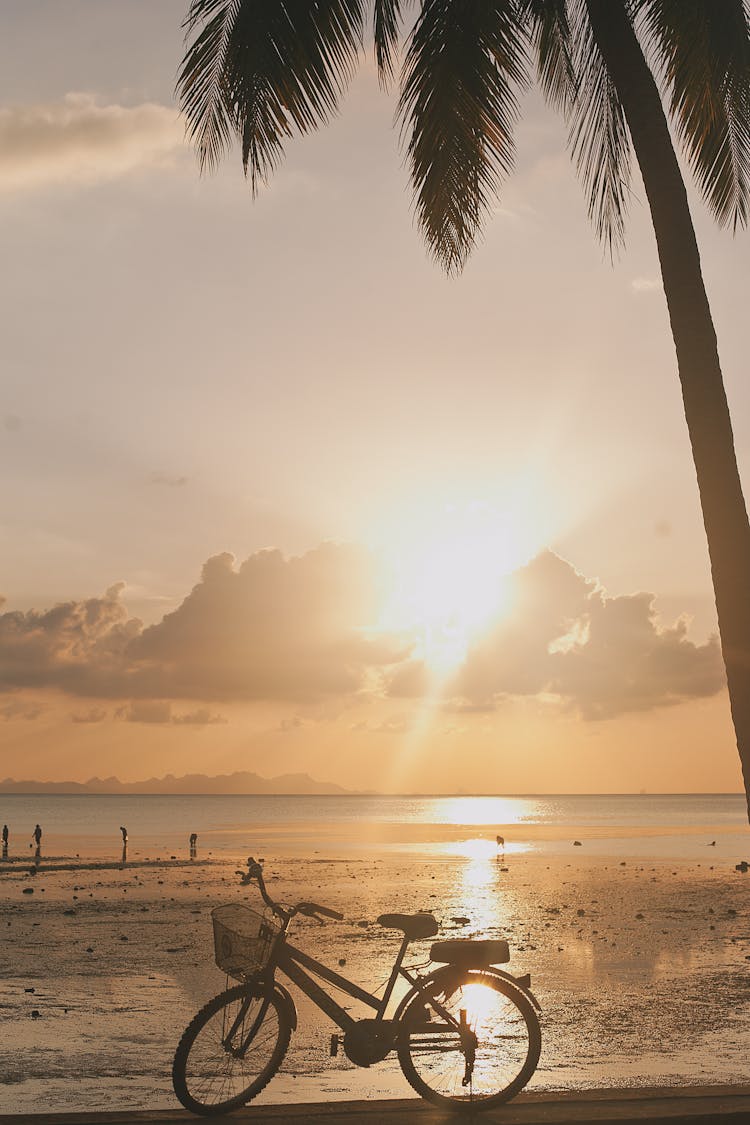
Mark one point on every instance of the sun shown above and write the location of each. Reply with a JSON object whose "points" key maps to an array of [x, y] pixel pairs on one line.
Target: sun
{"points": [[449, 584], [453, 593]]}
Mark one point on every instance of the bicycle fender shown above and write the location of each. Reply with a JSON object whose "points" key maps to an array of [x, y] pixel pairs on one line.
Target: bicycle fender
{"points": [[287, 1000], [523, 984], [445, 972]]}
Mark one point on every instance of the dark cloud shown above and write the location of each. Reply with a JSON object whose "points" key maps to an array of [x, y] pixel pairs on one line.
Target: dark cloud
{"points": [[93, 715], [146, 711], [160, 711], [79, 647], [201, 717], [20, 709], [171, 480]]}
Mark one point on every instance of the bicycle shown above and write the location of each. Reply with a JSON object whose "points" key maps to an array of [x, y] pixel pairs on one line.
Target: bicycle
{"points": [[466, 1034]]}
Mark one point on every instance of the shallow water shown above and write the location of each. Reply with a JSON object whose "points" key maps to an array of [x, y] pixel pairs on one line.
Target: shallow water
{"points": [[667, 826]]}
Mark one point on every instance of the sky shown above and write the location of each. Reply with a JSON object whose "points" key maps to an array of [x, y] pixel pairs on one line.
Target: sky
{"points": [[280, 496]]}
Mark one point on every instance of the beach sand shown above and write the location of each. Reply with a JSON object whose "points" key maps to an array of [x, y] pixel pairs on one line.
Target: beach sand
{"points": [[642, 968]]}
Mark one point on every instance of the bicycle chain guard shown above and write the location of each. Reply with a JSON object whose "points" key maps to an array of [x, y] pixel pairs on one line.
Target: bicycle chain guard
{"points": [[369, 1041]]}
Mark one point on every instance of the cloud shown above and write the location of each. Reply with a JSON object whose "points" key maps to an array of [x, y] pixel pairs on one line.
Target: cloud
{"points": [[604, 656], [78, 141], [93, 715], [269, 629], [298, 630], [79, 647], [396, 724], [201, 717], [160, 711], [26, 710], [646, 284], [146, 711], [169, 479], [627, 662]]}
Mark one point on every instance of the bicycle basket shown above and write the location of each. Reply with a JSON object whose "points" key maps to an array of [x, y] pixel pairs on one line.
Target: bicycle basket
{"points": [[243, 939]]}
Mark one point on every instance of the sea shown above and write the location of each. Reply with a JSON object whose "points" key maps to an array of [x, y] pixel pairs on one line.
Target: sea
{"points": [[659, 826]]}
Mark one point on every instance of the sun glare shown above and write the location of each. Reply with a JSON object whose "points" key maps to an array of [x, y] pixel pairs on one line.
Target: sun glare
{"points": [[450, 582]]}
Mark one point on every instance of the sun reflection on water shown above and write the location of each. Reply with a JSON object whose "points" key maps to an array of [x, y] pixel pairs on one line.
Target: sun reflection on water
{"points": [[481, 810], [481, 886]]}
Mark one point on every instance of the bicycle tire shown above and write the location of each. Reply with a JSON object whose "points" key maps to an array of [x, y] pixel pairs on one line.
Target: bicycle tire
{"points": [[509, 1040], [206, 1072]]}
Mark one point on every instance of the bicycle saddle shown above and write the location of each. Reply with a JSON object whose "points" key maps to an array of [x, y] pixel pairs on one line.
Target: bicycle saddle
{"points": [[470, 953], [413, 925]]}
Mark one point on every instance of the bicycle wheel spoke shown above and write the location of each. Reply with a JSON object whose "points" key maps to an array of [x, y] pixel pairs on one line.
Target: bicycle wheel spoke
{"points": [[230, 1051], [489, 1055]]}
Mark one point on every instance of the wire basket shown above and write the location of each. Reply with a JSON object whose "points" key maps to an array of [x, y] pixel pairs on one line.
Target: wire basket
{"points": [[243, 939]]}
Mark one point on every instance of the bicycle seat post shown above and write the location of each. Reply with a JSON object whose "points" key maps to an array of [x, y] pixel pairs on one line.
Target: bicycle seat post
{"points": [[394, 976]]}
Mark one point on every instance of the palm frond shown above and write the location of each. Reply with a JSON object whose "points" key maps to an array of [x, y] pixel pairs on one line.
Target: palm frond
{"points": [[703, 47], [599, 137], [257, 69], [550, 34], [200, 82], [386, 25], [465, 61]]}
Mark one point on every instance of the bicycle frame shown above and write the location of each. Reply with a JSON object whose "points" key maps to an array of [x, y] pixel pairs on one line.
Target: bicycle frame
{"points": [[292, 962]]}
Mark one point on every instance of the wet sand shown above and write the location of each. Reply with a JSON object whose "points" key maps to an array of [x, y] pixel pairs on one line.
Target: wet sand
{"points": [[642, 967]]}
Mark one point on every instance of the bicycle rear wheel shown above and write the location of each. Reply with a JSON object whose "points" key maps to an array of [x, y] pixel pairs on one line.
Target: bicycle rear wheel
{"points": [[230, 1050], [468, 1040]]}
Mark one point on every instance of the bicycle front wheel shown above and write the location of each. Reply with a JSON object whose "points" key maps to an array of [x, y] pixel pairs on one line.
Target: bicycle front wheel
{"points": [[468, 1040], [230, 1051]]}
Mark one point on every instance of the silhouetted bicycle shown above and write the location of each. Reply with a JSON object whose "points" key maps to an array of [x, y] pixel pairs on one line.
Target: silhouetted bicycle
{"points": [[466, 1034]]}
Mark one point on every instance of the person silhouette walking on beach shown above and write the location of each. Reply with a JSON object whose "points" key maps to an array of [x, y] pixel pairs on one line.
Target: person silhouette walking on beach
{"points": [[5, 841], [124, 836], [193, 844], [38, 839]]}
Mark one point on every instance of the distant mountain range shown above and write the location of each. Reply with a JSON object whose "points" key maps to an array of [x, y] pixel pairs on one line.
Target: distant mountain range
{"points": [[241, 783]]}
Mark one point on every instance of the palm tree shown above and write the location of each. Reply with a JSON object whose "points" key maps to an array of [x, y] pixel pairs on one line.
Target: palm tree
{"points": [[259, 70]]}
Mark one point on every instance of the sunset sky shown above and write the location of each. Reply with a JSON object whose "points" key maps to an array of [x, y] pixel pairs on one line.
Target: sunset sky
{"points": [[279, 496]]}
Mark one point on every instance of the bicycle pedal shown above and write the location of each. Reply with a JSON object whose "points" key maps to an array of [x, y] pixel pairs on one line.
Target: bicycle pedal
{"points": [[334, 1046]]}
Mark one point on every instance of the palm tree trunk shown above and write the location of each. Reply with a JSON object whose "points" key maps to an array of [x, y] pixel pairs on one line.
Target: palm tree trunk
{"points": [[706, 411]]}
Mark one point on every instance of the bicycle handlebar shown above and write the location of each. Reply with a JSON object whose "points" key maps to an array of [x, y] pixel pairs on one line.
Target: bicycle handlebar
{"points": [[313, 908], [309, 909]]}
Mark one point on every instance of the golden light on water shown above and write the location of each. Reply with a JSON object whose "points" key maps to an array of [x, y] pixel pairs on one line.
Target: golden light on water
{"points": [[481, 810]]}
